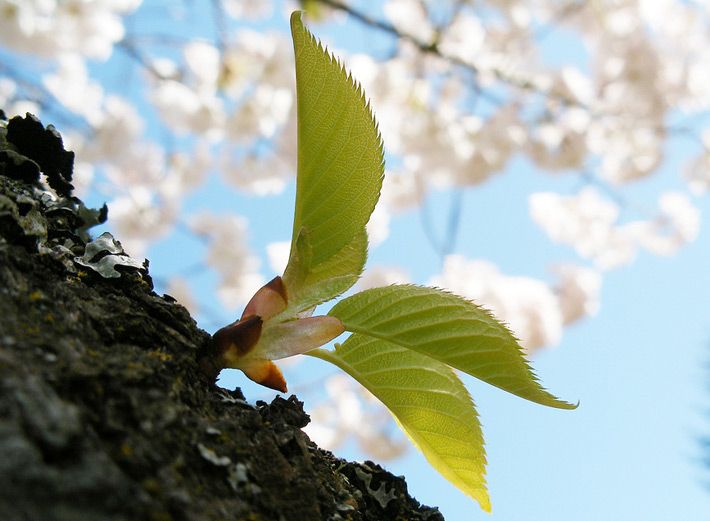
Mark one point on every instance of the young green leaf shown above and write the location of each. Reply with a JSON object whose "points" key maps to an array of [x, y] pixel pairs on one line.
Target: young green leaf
{"points": [[428, 401], [447, 328], [340, 155], [309, 286], [339, 176]]}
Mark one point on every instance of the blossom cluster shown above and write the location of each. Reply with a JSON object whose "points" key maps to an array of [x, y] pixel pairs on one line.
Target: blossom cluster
{"points": [[590, 223], [50, 28]]}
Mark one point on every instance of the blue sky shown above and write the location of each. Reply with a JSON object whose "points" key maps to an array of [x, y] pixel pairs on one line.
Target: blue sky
{"points": [[640, 368]]}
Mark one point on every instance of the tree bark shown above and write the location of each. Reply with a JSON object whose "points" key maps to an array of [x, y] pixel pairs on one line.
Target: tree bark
{"points": [[104, 413]]}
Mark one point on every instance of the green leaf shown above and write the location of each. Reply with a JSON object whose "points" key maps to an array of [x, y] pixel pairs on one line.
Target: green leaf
{"points": [[309, 286], [428, 401], [340, 152], [447, 328]]}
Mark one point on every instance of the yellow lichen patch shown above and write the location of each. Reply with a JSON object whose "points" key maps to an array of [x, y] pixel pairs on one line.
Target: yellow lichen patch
{"points": [[160, 354]]}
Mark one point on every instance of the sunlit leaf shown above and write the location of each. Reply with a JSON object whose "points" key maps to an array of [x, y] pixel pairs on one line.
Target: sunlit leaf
{"points": [[428, 401], [340, 154], [309, 286], [448, 328]]}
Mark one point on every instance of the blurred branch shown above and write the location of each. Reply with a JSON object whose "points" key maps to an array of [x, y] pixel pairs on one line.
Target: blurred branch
{"points": [[221, 23], [132, 51], [566, 12], [433, 49], [445, 245]]}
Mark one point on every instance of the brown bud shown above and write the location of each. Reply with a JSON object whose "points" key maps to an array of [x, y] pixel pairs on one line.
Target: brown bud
{"points": [[237, 339]]}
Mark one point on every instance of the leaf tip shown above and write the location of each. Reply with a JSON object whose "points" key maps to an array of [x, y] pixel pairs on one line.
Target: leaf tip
{"points": [[297, 17]]}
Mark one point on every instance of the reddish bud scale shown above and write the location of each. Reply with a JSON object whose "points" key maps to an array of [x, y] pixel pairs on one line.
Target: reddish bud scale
{"points": [[252, 342], [238, 338], [269, 301]]}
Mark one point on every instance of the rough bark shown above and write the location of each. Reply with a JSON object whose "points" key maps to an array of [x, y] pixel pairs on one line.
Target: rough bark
{"points": [[103, 412]]}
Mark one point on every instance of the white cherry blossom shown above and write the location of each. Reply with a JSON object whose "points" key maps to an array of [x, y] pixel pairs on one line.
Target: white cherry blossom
{"points": [[350, 411], [247, 8], [677, 224], [179, 288], [410, 17], [46, 27], [376, 276], [115, 130], [697, 171], [73, 88], [259, 175], [265, 111], [140, 219], [464, 38], [82, 178], [8, 88], [22, 107], [229, 254], [586, 221], [378, 225], [578, 291], [187, 110], [278, 253], [203, 62]]}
